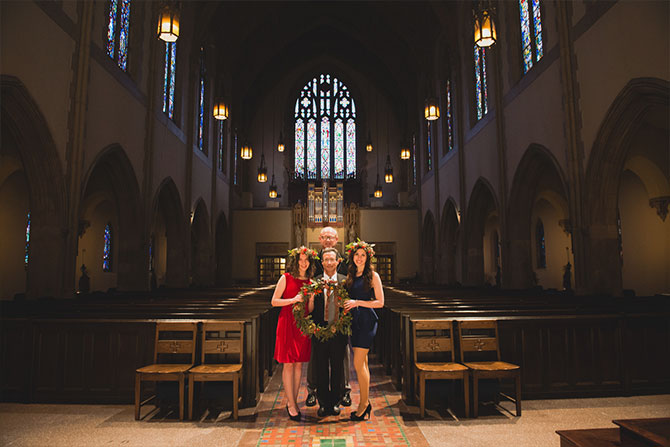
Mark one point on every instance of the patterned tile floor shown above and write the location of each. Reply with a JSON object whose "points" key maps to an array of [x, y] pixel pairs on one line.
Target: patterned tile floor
{"points": [[384, 428]]}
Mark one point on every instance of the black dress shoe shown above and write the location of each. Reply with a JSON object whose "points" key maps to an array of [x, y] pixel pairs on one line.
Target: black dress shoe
{"points": [[346, 399], [322, 412], [335, 411], [295, 418], [311, 399]]}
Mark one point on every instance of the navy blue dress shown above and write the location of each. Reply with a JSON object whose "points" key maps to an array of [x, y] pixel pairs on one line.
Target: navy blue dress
{"points": [[364, 322]]}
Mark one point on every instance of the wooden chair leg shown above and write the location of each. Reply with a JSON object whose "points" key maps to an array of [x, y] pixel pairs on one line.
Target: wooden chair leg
{"points": [[235, 394], [518, 395], [422, 395], [466, 393], [190, 397], [181, 397], [138, 381], [475, 395]]}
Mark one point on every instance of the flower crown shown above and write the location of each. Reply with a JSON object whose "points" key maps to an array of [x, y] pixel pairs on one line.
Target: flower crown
{"points": [[353, 246], [296, 252]]}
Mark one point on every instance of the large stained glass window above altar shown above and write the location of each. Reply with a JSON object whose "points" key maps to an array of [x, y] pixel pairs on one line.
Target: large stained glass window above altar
{"points": [[325, 130]]}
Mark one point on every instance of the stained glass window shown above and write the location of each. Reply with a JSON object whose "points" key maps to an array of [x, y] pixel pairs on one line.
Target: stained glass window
{"points": [[235, 160], [201, 102], [531, 32], [540, 245], [449, 121], [325, 130], [27, 250], [221, 144], [414, 160], [107, 249], [151, 253], [481, 89], [118, 29], [429, 149], [169, 78]]}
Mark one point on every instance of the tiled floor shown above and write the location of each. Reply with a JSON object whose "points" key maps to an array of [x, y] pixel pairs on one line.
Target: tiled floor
{"points": [[392, 423]]}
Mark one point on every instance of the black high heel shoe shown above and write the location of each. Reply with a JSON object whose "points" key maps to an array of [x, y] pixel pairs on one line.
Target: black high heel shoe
{"points": [[295, 418], [355, 417]]}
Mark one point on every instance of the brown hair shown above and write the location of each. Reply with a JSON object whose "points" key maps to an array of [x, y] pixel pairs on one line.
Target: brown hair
{"points": [[294, 269], [330, 250], [367, 270]]}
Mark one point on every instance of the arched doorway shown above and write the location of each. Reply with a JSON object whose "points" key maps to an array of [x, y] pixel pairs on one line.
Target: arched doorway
{"points": [[31, 172], [538, 222], [627, 193], [223, 252], [482, 236], [200, 246], [449, 250], [110, 225], [168, 238]]}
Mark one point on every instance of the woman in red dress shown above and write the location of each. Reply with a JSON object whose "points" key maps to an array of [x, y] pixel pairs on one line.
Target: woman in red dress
{"points": [[292, 348]]}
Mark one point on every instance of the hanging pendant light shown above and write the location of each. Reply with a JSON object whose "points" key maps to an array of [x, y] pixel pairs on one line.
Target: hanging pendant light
{"points": [[220, 109], [246, 152], [431, 110], [262, 171], [378, 188], [485, 28], [168, 23], [280, 144], [388, 170], [405, 153], [273, 188], [368, 143]]}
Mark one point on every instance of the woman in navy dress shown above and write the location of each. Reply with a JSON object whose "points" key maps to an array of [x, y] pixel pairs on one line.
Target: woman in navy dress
{"points": [[366, 294]]}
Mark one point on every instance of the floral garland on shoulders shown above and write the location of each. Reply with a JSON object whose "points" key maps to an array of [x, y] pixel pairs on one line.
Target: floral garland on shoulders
{"points": [[306, 324]]}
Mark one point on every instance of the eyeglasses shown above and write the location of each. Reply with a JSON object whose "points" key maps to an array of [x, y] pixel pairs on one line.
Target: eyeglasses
{"points": [[328, 238]]}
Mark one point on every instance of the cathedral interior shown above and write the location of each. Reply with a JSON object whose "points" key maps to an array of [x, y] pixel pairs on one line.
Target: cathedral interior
{"points": [[487, 148]]}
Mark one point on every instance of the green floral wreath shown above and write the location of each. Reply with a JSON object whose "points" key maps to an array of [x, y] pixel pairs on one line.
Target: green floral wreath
{"points": [[306, 324]]}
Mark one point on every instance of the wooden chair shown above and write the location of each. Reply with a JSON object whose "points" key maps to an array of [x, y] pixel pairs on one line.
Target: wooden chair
{"points": [[219, 339], [172, 338], [481, 336], [436, 337]]}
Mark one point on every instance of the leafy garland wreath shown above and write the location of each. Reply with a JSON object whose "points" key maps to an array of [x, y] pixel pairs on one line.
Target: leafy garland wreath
{"points": [[305, 322]]}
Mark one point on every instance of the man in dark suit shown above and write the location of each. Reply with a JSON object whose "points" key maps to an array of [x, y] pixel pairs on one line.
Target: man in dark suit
{"points": [[328, 356], [328, 239]]}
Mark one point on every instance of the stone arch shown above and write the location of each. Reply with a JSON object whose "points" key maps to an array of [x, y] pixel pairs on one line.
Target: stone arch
{"points": [[641, 104], [168, 233], [449, 253], [200, 245], [428, 248], [482, 209], [538, 184], [24, 124], [111, 194], [223, 252]]}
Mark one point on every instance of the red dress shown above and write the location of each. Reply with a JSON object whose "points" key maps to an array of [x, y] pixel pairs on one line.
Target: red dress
{"points": [[291, 346]]}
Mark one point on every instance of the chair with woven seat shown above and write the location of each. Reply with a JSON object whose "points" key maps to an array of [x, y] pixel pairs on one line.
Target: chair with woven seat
{"points": [[480, 338], [174, 341], [221, 360], [434, 338]]}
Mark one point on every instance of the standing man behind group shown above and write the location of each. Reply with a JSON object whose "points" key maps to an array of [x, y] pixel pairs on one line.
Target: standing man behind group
{"points": [[328, 239]]}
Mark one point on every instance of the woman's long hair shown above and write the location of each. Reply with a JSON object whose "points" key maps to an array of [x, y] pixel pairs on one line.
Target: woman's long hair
{"points": [[351, 272], [294, 269]]}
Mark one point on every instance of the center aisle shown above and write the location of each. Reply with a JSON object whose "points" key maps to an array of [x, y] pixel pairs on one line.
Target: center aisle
{"points": [[385, 428]]}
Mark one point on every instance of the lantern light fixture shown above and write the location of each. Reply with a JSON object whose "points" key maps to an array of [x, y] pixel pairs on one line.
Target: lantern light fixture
{"points": [[220, 109], [484, 25], [378, 189], [432, 110], [405, 153], [388, 170], [246, 152], [272, 193], [280, 144], [368, 143], [168, 23]]}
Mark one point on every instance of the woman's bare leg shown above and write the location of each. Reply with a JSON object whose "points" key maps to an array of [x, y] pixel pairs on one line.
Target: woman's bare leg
{"points": [[297, 377], [287, 380], [363, 374]]}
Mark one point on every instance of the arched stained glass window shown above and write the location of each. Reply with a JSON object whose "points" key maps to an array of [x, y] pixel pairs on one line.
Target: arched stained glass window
{"points": [[27, 250], [118, 28], [169, 79], [449, 121], [107, 249], [540, 245], [481, 88], [325, 130], [531, 32], [201, 102], [221, 146]]}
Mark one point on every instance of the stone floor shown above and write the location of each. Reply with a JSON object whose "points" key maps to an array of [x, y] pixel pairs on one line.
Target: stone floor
{"points": [[392, 423]]}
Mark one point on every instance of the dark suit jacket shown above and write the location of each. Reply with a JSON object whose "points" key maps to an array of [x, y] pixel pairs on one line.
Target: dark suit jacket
{"points": [[317, 313]]}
